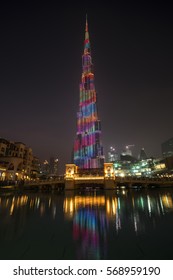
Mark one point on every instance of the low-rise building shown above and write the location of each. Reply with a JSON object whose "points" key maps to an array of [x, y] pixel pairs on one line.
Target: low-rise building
{"points": [[17, 161]]}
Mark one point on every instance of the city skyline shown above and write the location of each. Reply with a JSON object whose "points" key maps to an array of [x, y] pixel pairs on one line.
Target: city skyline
{"points": [[40, 73]]}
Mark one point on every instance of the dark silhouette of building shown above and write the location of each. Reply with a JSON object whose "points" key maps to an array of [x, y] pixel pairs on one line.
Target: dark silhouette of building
{"points": [[167, 148], [142, 155]]}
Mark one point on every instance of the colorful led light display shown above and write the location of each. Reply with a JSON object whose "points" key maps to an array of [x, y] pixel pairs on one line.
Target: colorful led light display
{"points": [[88, 150], [90, 227]]}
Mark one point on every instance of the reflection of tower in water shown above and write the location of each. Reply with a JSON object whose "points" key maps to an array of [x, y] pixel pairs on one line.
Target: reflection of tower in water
{"points": [[90, 223], [89, 230]]}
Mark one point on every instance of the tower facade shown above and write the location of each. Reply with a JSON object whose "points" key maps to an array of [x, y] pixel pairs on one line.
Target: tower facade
{"points": [[88, 150]]}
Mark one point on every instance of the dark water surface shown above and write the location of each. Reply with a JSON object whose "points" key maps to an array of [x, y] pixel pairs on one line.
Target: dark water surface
{"points": [[120, 224]]}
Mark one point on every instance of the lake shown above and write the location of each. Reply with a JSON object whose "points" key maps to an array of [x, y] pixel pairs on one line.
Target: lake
{"points": [[120, 224]]}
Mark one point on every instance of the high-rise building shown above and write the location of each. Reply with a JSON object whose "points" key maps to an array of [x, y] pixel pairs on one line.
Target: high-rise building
{"points": [[127, 150], [45, 167], [53, 166], [88, 149], [142, 155], [167, 148], [112, 155]]}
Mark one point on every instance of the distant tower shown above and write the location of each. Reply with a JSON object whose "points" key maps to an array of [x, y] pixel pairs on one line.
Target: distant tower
{"points": [[53, 166], [128, 151], [112, 155], [88, 150], [142, 155], [167, 148], [56, 166], [45, 167]]}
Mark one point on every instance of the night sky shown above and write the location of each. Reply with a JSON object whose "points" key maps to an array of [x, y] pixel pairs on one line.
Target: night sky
{"points": [[40, 71]]}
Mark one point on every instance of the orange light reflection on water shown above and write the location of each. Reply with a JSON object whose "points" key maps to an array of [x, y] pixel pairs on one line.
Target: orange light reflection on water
{"points": [[72, 204]]}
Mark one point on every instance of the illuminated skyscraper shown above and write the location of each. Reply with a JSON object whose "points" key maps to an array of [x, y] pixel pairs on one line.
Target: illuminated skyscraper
{"points": [[88, 150]]}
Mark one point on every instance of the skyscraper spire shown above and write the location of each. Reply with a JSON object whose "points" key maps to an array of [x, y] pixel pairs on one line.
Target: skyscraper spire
{"points": [[86, 25], [87, 41], [88, 150]]}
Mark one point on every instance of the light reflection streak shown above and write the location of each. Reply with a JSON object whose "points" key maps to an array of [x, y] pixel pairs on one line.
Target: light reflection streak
{"points": [[119, 204], [114, 206], [135, 224], [42, 209], [142, 203], [158, 208], [141, 206], [149, 205], [161, 205], [50, 200], [12, 208], [54, 211], [38, 202], [118, 222], [167, 201]]}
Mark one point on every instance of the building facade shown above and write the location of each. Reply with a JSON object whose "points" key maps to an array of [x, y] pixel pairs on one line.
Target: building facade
{"points": [[167, 148], [17, 161], [88, 149]]}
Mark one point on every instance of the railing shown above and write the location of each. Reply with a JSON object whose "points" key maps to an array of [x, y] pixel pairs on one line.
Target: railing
{"points": [[143, 179], [90, 178], [44, 182]]}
